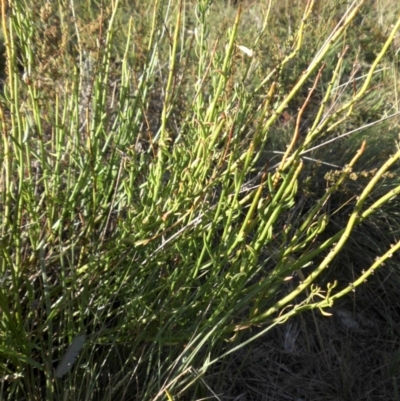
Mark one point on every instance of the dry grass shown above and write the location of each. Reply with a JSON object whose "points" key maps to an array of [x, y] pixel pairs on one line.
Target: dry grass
{"points": [[353, 355]]}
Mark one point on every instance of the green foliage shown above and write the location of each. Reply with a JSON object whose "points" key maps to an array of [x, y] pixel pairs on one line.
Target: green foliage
{"points": [[153, 184]]}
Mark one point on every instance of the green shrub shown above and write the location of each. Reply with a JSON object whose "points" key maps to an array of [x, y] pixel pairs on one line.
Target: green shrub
{"points": [[153, 202]]}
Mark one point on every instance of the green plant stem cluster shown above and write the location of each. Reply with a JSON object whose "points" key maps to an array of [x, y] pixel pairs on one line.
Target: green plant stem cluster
{"points": [[151, 248]]}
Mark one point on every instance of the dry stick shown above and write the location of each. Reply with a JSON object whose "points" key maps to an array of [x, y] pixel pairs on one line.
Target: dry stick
{"points": [[335, 139], [328, 92], [298, 121], [337, 96], [349, 133]]}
